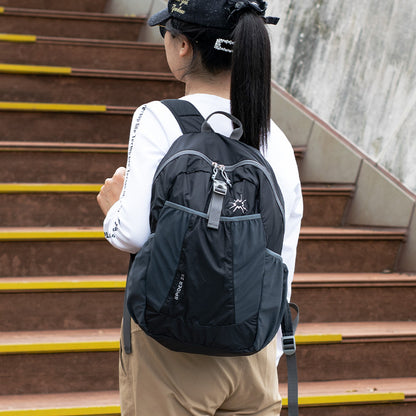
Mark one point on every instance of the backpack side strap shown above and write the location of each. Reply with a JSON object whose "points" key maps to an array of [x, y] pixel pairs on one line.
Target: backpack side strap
{"points": [[289, 348], [188, 117], [126, 328]]}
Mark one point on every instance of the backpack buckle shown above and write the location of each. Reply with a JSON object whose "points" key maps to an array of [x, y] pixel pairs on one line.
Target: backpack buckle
{"points": [[215, 206], [289, 344], [220, 187]]}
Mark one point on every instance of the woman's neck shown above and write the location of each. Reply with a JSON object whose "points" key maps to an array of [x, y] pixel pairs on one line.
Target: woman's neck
{"points": [[215, 85]]}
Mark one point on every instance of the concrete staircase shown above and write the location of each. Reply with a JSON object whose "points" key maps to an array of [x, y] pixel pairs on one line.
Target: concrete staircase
{"points": [[71, 77]]}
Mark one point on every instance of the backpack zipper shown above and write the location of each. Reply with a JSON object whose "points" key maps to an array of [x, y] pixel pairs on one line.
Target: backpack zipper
{"points": [[266, 173], [227, 168], [181, 153]]}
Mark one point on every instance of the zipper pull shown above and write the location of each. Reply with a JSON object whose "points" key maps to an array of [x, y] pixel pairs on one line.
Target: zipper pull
{"points": [[217, 167], [225, 176]]}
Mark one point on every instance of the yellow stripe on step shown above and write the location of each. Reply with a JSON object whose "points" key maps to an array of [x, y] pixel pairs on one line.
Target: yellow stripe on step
{"points": [[348, 398], [59, 347], [60, 285], [67, 411], [318, 338], [82, 108], [8, 37], [24, 235], [35, 69], [16, 188], [115, 409], [303, 401], [1, 9]]}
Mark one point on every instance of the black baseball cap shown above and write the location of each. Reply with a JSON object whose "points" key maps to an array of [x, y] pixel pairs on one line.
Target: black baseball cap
{"points": [[208, 13]]}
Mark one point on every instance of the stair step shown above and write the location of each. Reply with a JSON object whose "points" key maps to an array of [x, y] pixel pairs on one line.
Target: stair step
{"points": [[50, 251], [331, 249], [324, 205], [90, 302], [52, 107], [43, 342], [94, 301], [19, 83], [60, 163], [58, 361], [51, 233], [326, 398], [72, 250], [105, 339], [69, 24], [32, 204], [62, 283], [73, 5], [369, 397], [90, 147], [326, 297], [104, 403], [358, 331], [83, 53], [350, 349], [62, 204], [328, 351], [42, 122]]}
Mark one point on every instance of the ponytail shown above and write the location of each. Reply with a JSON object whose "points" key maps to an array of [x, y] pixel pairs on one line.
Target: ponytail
{"points": [[250, 64], [251, 78]]}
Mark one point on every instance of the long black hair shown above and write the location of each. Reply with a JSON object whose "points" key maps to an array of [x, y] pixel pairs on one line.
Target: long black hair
{"points": [[250, 65]]}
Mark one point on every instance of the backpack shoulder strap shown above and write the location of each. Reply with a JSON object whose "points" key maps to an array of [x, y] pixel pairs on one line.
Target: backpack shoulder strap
{"points": [[188, 117]]}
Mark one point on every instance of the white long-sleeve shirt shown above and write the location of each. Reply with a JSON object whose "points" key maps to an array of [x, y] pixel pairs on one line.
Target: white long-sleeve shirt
{"points": [[153, 130]]}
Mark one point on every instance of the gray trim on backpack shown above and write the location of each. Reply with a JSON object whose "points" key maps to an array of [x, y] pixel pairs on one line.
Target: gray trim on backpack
{"points": [[227, 169], [203, 215], [274, 254]]}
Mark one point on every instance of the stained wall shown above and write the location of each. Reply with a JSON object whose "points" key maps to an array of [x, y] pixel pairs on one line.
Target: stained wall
{"points": [[353, 63]]}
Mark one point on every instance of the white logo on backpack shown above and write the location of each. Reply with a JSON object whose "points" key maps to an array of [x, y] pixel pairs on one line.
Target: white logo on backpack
{"points": [[239, 204]]}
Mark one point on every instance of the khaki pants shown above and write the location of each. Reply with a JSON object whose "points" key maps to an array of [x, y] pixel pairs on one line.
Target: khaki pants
{"points": [[155, 381]]}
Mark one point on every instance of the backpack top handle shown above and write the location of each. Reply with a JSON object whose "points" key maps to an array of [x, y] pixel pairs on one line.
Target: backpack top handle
{"points": [[237, 132]]}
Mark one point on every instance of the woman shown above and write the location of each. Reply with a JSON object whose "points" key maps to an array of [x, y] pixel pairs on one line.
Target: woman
{"points": [[220, 49]]}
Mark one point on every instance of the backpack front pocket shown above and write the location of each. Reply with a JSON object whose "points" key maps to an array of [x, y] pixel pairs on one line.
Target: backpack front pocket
{"points": [[168, 241], [136, 282]]}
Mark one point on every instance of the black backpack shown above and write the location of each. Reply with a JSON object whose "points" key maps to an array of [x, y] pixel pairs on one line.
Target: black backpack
{"points": [[210, 279]]}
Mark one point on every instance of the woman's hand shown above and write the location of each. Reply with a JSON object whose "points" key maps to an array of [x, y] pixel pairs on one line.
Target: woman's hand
{"points": [[111, 190]]}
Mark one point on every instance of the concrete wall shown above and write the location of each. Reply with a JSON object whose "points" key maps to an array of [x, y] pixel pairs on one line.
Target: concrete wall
{"points": [[139, 7], [129, 7], [379, 200], [353, 62]]}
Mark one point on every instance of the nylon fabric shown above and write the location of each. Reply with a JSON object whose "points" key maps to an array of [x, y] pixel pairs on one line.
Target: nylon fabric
{"points": [[206, 285], [248, 262], [167, 247]]}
